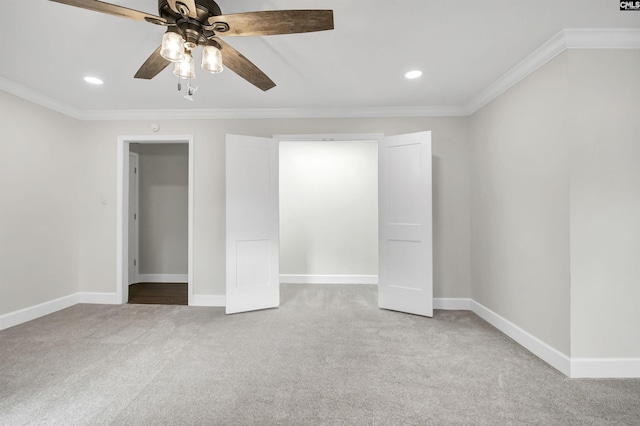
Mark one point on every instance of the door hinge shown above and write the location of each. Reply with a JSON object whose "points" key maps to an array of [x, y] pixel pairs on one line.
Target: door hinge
{"points": [[135, 170], [135, 216], [135, 262]]}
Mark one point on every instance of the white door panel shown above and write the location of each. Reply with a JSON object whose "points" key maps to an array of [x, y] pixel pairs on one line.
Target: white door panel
{"points": [[405, 224], [252, 267]]}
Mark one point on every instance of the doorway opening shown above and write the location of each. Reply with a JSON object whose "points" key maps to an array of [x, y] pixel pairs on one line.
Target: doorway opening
{"points": [[328, 212], [155, 219], [158, 223], [405, 281]]}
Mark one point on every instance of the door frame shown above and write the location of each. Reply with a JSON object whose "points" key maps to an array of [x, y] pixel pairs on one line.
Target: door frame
{"points": [[136, 231], [330, 137], [122, 208]]}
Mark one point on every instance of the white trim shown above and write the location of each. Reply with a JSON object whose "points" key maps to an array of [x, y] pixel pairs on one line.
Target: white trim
{"points": [[272, 113], [191, 184], [33, 312], [27, 314], [550, 355], [38, 98], [600, 368], [452, 304], [98, 298], [163, 278], [340, 137], [136, 222], [208, 300], [328, 279], [122, 201], [598, 38], [573, 368], [549, 50], [122, 225]]}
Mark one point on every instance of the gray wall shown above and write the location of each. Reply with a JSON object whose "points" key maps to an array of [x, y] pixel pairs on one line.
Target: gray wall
{"points": [[605, 203], [451, 192], [329, 208], [520, 205], [555, 237], [163, 207], [59, 179], [41, 169]]}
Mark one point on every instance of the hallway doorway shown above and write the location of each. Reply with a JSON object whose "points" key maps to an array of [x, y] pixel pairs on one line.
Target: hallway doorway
{"points": [[158, 294], [158, 223], [165, 249]]}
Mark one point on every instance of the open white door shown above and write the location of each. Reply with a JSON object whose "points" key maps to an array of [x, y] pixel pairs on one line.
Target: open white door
{"points": [[252, 267], [405, 224]]}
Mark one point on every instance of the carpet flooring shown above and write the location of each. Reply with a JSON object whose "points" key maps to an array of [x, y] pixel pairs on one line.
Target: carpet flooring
{"points": [[327, 356]]}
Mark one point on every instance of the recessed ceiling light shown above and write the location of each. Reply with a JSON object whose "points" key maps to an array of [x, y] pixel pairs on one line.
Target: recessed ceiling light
{"points": [[413, 74], [93, 80]]}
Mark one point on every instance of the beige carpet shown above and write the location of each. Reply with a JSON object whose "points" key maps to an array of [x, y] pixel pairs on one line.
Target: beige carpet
{"points": [[327, 356]]}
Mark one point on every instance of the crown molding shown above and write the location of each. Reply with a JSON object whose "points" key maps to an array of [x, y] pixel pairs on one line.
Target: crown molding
{"points": [[38, 98], [221, 114], [271, 113], [597, 38], [577, 38]]}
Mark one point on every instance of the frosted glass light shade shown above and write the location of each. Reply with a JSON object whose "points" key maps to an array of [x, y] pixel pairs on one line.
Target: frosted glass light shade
{"points": [[211, 59], [172, 47], [186, 68]]}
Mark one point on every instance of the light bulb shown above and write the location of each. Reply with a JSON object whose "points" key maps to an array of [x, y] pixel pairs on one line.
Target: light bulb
{"points": [[172, 47], [211, 59], [186, 68]]}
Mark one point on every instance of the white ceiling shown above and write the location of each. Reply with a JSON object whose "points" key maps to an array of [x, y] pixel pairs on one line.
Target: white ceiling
{"points": [[462, 46]]}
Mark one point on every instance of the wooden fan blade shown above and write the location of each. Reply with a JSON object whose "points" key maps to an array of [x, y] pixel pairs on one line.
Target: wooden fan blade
{"points": [[237, 63], [272, 22], [112, 9], [152, 66]]}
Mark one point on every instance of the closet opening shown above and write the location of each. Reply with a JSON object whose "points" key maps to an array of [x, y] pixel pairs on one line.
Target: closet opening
{"points": [[155, 219], [328, 208]]}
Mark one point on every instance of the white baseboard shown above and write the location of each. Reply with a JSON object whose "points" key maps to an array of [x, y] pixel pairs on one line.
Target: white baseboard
{"points": [[451, 304], [550, 355], [328, 279], [27, 314], [98, 298], [601, 368], [163, 278], [573, 368], [33, 312], [207, 300]]}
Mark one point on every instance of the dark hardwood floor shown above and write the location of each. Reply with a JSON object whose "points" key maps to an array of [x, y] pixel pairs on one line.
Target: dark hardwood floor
{"points": [[158, 293]]}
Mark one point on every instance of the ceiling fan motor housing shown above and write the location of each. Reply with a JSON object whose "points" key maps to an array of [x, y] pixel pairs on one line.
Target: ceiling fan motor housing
{"points": [[205, 9], [191, 29]]}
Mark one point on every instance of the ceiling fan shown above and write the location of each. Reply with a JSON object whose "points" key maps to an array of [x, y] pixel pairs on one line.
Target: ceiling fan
{"points": [[193, 23]]}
